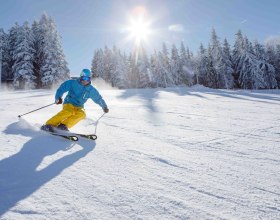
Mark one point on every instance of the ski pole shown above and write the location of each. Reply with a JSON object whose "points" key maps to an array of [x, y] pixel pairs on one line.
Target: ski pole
{"points": [[36, 110], [96, 123]]}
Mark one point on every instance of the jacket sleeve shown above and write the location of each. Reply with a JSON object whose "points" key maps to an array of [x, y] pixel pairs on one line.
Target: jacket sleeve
{"points": [[64, 87], [97, 98]]}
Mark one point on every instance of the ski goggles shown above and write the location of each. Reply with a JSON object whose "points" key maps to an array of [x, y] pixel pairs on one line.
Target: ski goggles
{"points": [[85, 78]]}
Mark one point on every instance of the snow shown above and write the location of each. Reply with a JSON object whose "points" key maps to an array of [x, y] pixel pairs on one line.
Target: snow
{"points": [[177, 153]]}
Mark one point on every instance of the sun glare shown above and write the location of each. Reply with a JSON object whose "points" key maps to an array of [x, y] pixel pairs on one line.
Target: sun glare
{"points": [[138, 28]]}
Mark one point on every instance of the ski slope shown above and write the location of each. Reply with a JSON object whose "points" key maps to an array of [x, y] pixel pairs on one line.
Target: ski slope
{"points": [[180, 153]]}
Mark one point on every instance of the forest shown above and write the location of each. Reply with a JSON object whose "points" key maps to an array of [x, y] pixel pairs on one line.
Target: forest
{"points": [[33, 58], [247, 66]]}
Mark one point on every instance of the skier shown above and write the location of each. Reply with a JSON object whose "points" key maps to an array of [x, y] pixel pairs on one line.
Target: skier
{"points": [[79, 91]]}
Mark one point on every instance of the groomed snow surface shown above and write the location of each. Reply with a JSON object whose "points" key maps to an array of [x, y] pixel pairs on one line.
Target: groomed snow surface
{"points": [[180, 153]]}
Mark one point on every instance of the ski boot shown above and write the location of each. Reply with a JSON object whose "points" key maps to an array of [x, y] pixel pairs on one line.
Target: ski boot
{"points": [[62, 127], [48, 128]]}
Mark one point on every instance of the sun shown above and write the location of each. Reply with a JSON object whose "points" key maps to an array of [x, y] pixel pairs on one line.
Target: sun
{"points": [[139, 30]]}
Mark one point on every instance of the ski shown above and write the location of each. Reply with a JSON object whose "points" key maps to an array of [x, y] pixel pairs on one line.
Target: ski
{"points": [[70, 137], [87, 136]]}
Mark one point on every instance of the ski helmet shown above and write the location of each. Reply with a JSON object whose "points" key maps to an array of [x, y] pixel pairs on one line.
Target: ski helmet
{"points": [[85, 75], [85, 72]]}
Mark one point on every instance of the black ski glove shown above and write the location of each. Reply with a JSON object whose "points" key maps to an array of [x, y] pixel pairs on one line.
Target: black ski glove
{"points": [[58, 101], [105, 110]]}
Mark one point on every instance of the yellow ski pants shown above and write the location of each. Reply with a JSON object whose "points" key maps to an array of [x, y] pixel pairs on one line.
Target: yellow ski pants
{"points": [[69, 116]]}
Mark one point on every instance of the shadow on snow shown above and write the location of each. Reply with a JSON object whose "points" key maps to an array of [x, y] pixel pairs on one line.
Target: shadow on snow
{"points": [[149, 96], [19, 177]]}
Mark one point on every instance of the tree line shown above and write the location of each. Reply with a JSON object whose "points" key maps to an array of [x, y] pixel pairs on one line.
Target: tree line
{"points": [[32, 57], [245, 66]]}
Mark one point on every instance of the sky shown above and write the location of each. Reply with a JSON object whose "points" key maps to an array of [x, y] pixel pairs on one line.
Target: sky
{"points": [[88, 25]]}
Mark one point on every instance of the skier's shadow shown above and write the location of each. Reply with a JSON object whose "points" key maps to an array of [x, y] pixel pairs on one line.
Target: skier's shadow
{"points": [[20, 175]]}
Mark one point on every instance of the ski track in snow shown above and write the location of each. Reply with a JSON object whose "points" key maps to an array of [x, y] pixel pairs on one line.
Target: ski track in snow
{"points": [[178, 153]]}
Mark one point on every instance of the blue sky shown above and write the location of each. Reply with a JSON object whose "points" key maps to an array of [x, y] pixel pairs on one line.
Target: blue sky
{"points": [[86, 25]]}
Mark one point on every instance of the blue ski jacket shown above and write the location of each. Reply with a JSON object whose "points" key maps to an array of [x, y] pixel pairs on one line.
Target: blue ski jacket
{"points": [[78, 94]]}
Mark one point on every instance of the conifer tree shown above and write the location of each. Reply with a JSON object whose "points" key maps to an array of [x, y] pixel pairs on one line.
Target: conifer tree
{"points": [[212, 79], [132, 77], [4, 55], [238, 50], [97, 66], [23, 55], [222, 73], [108, 64], [165, 69], [175, 66], [153, 66], [277, 64], [201, 66], [53, 69], [94, 64], [38, 42], [118, 68], [187, 66], [225, 67], [12, 36], [265, 69], [143, 68], [273, 55]]}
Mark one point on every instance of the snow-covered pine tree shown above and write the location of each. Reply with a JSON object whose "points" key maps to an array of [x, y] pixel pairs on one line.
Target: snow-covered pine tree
{"points": [[4, 55], [63, 72], [118, 68], [201, 66], [126, 61], [273, 56], [225, 67], [98, 64], [267, 71], [38, 42], [251, 74], [247, 68], [187, 65], [214, 56], [175, 66], [166, 79], [277, 64], [143, 68], [53, 68], [183, 63], [132, 76], [94, 64], [159, 79], [1, 54], [153, 65], [238, 50], [23, 55], [222, 72], [212, 79], [160, 72], [121, 69], [12, 36], [108, 64]]}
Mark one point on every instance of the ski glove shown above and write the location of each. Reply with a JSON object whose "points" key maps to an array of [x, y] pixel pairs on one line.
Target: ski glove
{"points": [[58, 101], [105, 110]]}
